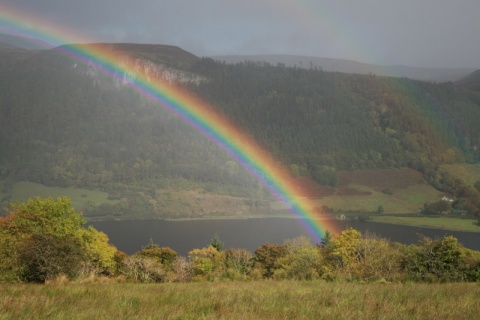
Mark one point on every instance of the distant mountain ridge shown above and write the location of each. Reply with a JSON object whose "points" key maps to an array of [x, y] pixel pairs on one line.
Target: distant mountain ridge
{"points": [[351, 66], [168, 55]]}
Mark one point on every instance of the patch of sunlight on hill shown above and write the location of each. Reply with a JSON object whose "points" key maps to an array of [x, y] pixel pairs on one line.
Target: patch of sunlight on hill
{"points": [[22, 191], [404, 200], [469, 173], [418, 194]]}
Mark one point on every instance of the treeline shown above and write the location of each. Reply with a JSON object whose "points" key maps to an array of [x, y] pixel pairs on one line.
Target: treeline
{"points": [[44, 238], [63, 123]]}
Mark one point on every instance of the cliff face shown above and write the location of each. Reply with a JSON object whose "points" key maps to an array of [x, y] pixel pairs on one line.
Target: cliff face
{"points": [[132, 67]]}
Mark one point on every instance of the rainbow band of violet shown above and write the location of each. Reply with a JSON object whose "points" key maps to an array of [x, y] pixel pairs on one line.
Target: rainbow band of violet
{"points": [[190, 109]]}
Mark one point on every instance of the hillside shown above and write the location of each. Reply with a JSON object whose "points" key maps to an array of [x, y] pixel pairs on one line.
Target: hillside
{"points": [[65, 124]]}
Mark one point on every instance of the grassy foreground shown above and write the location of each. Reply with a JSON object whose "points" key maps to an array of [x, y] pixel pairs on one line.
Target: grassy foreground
{"points": [[240, 300]]}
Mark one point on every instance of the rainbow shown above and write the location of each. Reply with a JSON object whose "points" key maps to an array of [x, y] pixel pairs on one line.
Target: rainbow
{"points": [[203, 117]]}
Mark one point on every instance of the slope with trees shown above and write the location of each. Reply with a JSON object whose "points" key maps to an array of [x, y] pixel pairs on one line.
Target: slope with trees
{"points": [[63, 123]]}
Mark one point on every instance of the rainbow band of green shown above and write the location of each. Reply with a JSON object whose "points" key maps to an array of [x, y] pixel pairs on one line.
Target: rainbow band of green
{"points": [[189, 108]]}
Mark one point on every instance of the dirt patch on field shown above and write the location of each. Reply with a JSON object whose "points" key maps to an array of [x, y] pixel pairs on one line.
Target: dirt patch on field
{"points": [[380, 179], [351, 192], [307, 187]]}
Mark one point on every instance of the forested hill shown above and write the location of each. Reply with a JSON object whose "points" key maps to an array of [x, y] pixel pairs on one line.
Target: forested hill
{"points": [[63, 123], [311, 118]]}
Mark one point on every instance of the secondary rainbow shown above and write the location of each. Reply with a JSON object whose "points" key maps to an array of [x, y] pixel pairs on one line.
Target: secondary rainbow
{"points": [[188, 107]]}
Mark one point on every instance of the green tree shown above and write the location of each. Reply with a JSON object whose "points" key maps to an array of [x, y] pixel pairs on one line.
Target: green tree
{"points": [[217, 243], [208, 262], [436, 208], [44, 257], [165, 255], [302, 260], [46, 237], [433, 260]]}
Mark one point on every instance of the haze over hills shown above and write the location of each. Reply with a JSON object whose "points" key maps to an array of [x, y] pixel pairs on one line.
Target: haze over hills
{"points": [[65, 124], [11, 41], [350, 66]]}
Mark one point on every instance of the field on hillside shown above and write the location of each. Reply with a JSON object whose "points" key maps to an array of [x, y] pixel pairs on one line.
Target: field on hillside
{"points": [[468, 173], [397, 191], [81, 198], [393, 191], [244, 300]]}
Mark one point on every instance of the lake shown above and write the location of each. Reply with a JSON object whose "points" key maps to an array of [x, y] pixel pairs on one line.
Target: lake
{"points": [[184, 235]]}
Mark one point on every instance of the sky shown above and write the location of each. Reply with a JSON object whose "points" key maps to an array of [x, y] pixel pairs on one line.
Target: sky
{"points": [[423, 33]]}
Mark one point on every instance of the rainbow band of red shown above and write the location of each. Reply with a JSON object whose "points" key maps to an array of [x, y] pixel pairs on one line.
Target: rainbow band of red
{"points": [[189, 108]]}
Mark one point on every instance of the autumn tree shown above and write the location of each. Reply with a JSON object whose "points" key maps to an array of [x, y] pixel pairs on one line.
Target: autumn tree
{"points": [[342, 255], [267, 256]]}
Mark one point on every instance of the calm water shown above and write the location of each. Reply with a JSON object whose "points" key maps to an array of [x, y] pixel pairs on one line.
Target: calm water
{"points": [[183, 236]]}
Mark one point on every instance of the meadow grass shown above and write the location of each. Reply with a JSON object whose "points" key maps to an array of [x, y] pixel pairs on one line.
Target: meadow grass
{"points": [[240, 300], [444, 223]]}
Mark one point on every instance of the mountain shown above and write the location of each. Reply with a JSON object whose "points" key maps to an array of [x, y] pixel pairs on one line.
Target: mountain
{"points": [[471, 81], [65, 124], [350, 66], [11, 41]]}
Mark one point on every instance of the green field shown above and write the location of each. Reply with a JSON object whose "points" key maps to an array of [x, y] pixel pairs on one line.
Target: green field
{"points": [[402, 200], [241, 300], [358, 192], [81, 198], [445, 223]]}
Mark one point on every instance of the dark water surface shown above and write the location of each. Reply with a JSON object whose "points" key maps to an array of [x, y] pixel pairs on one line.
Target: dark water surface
{"points": [[183, 236]]}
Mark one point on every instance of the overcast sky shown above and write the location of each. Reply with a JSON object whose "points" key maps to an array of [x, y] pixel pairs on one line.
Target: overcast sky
{"points": [[429, 33]]}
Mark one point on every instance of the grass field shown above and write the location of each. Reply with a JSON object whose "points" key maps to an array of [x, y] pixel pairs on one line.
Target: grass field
{"points": [[363, 191], [469, 225], [22, 191], [403, 200], [241, 300]]}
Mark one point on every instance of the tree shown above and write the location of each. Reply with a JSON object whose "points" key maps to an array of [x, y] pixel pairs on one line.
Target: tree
{"points": [[301, 261], [239, 260], [217, 243], [436, 208], [267, 256], [380, 259], [99, 253], [164, 255], [342, 254], [207, 261], [46, 237], [45, 257], [433, 260]]}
